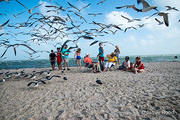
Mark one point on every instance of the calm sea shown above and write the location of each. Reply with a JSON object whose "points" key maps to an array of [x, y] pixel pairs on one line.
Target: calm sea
{"points": [[45, 63]]}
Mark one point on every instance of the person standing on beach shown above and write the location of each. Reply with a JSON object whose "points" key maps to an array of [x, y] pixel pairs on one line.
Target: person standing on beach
{"points": [[77, 56], [101, 55], [52, 58], [117, 53], [59, 59], [65, 55]]}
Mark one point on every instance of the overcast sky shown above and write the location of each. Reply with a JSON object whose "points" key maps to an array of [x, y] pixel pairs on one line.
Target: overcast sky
{"points": [[152, 39]]}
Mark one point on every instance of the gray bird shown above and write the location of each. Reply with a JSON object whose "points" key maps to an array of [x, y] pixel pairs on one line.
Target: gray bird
{"points": [[171, 8], [36, 83], [165, 17]]}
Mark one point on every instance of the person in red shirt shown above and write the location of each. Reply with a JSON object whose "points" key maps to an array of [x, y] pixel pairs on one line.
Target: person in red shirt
{"points": [[139, 66], [59, 59]]}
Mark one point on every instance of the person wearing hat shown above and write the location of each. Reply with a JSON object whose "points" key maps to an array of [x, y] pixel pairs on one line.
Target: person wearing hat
{"points": [[111, 61]]}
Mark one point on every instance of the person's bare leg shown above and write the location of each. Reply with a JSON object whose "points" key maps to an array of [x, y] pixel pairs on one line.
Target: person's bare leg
{"points": [[64, 64], [67, 65], [80, 64], [140, 70]]}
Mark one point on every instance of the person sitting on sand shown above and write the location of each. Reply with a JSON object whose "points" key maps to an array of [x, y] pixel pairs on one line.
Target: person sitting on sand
{"points": [[111, 61], [59, 59], [77, 56], [125, 65], [138, 67], [52, 58], [90, 64], [65, 55]]}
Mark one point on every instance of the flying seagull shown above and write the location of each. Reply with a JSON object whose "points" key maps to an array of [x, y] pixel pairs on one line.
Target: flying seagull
{"points": [[16, 45], [130, 20], [165, 17], [129, 28], [130, 6], [29, 10], [94, 14], [1, 26], [146, 6], [171, 8]]}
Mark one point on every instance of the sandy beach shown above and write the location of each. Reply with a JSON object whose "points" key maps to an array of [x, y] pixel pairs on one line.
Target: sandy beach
{"points": [[152, 95]]}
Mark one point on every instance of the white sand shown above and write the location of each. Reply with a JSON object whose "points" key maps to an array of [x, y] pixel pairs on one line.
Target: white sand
{"points": [[152, 95]]}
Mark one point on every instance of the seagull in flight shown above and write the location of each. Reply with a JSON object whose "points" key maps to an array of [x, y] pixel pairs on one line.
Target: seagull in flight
{"points": [[171, 8], [165, 17], [29, 10]]}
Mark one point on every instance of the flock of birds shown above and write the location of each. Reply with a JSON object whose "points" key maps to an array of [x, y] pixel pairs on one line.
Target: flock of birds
{"points": [[32, 76], [43, 28]]}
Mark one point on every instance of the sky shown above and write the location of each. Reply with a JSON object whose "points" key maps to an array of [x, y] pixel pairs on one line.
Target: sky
{"points": [[152, 39]]}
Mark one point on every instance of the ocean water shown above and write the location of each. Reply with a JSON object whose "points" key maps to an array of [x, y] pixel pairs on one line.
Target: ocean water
{"points": [[45, 63]]}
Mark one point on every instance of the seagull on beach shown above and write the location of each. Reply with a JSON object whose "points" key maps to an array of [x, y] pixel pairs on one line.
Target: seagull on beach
{"points": [[49, 78], [3, 80], [36, 83]]}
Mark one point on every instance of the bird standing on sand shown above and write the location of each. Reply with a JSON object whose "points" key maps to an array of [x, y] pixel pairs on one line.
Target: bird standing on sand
{"points": [[3, 80], [36, 83]]}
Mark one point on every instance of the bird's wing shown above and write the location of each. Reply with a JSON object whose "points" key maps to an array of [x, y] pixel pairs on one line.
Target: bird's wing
{"points": [[30, 83], [36, 6], [22, 4], [4, 24], [73, 6], [85, 6], [125, 17], [94, 43], [158, 20], [145, 4]]}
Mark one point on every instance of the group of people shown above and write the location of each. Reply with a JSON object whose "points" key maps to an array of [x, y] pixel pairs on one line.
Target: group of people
{"points": [[97, 66]]}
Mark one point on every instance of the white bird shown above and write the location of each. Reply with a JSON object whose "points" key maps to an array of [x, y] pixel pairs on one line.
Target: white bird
{"points": [[3, 80]]}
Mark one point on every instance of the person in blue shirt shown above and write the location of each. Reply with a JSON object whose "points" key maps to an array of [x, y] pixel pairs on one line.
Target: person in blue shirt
{"points": [[101, 55], [65, 55]]}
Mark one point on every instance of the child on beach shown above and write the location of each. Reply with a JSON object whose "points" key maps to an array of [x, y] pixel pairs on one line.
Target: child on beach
{"points": [[52, 58], [138, 67], [117, 52], [59, 59], [65, 55], [126, 64], [111, 61], [77, 56], [101, 55]]}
